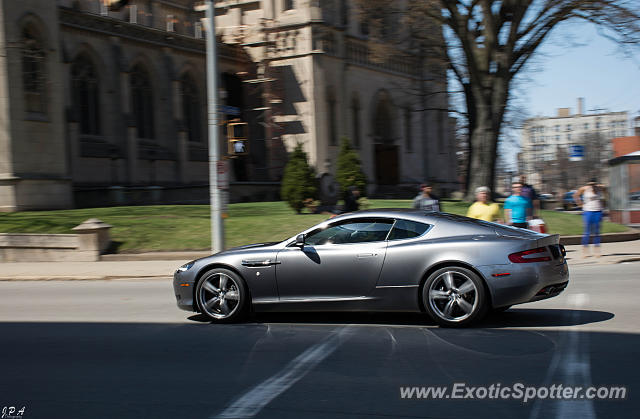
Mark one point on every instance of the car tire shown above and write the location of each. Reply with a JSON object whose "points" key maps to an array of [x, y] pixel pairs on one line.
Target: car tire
{"points": [[454, 297], [222, 295]]}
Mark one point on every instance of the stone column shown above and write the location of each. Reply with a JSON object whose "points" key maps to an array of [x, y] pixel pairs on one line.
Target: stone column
{"points": [[132, 153], [183, 156], [74, 148], [93, 239]]}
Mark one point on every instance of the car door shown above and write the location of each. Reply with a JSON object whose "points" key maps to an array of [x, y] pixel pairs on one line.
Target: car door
{"points": [[341, 261]]}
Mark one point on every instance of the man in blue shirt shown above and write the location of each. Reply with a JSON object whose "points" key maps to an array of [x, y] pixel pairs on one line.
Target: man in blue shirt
{"points": [[516, 207]]}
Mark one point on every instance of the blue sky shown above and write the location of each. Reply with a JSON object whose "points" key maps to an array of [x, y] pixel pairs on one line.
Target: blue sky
{"points": [[576, 62], [594, 69]]}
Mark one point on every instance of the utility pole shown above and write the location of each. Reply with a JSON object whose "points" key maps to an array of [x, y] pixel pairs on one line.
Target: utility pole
{"points": [[215, 193]]}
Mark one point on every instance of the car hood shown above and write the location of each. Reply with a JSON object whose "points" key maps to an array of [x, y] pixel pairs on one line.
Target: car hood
{"points": [[249, 246]]}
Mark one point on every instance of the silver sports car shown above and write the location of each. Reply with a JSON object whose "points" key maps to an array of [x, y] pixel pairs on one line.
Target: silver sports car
{"points": [[454, 268]]}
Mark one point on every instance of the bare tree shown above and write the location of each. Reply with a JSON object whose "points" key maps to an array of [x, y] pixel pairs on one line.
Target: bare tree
{"points": [[488, 43]]}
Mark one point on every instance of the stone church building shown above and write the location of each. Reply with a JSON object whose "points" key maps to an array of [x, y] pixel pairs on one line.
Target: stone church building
{"points": [[106, 104]]}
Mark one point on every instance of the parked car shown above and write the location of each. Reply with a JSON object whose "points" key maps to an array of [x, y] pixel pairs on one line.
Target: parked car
{"points": [[545, 197], [568, 203], [453, 268]]}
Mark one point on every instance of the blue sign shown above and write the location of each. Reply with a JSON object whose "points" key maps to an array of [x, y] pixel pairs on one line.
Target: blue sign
{"points": [[576, 152], [229, 110]]}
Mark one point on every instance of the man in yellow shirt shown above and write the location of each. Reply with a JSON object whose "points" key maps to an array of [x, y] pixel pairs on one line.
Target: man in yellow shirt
{"points": [[482, 209]]}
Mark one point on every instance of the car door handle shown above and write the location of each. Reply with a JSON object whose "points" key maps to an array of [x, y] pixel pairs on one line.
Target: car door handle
{"points": [[366, 255], [260, 262]]}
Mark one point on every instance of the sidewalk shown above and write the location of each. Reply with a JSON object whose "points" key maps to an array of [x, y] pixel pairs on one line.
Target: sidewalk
{"points": [[161, 265]]}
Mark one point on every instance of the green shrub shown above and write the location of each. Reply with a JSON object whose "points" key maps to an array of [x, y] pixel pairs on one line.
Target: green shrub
{"points": [[299, 180], [349, 169]]}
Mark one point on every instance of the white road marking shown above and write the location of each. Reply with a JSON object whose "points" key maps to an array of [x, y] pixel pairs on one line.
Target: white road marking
{"points": [[572, 363], [250, 404]]}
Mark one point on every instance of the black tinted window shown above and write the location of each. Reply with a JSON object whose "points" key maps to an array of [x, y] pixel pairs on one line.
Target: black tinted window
{"points": [[353, 231], [405, 229]]}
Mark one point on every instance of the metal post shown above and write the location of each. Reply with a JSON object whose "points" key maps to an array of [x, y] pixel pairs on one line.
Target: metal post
{"points": [[215, 194]]}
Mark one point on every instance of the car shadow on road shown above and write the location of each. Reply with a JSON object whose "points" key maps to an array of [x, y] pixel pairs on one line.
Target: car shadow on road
{"points": [[544, 317], [515, 317]]}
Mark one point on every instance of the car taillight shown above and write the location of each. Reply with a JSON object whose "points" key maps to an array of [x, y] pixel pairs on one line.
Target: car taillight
{"points": [[525, 256]]}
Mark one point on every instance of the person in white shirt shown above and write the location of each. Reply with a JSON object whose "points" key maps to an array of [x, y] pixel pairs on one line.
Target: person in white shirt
{"points": [[591, 198]]}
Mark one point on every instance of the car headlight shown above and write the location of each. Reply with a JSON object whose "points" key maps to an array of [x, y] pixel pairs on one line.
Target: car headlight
{"points": [[185, 267]]}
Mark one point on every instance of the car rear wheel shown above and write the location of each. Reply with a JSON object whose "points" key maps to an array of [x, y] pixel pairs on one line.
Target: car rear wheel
{"points": [[454, 297], [221, 295]]}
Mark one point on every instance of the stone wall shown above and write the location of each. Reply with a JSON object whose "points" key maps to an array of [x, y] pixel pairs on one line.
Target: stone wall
{"points": [[92, 239]]}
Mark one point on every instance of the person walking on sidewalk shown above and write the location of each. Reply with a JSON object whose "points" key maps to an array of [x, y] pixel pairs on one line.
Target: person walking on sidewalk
{"points": [[591, 198], [530, 193], [351, 199], [426, 200], [483, 208], [516, 207]]}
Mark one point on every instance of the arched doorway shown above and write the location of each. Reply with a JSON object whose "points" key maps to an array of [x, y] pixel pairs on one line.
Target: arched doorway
{"points": [[385, 150]]}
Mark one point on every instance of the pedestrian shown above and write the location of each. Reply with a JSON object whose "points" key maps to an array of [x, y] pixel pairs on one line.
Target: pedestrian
{"points": [[591, 198], [516, 206], [426, 200], [351, 199], [530, 193], [483, 208]]}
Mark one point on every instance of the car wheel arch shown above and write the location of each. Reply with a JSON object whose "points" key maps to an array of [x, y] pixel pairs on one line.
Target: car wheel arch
{"points": [[444, 264], [217, 265]]}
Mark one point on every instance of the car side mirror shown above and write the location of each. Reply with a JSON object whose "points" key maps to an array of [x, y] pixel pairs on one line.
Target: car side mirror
{"points": [[300, 240]]}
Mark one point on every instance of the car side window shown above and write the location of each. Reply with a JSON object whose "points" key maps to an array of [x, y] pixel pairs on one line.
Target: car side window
{"points": [[406, 229], [351, 231]]}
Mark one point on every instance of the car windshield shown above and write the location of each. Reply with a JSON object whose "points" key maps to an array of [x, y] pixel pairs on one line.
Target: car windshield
{"points": [[351, 231]]}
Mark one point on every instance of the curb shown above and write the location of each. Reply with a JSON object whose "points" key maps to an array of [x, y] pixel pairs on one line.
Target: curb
{"points": [[629, 260], [168, 255], [604, 238]]}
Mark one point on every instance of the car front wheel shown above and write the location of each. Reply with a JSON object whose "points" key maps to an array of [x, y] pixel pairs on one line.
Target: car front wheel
{"points": [[221, 295], [454, 297]]}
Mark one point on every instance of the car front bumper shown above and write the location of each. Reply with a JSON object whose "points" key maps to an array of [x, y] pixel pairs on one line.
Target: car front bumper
{"points": [[183, 288]]}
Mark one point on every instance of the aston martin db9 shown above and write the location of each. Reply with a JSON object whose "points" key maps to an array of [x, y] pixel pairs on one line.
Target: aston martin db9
{"points": [[453, 268]]}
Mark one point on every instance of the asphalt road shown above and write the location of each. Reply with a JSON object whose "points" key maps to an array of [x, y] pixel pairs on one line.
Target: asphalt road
{"points": [[121, 349]]}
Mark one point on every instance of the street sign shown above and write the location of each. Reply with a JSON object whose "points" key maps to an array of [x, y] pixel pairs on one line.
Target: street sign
{"points": [[229, 110], [576, 152]]}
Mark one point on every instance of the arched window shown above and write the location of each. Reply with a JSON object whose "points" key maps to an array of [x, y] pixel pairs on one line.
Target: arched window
{"points": [[84, 82], [383, 121], [142, 102], [33, 71], [190, 108]]}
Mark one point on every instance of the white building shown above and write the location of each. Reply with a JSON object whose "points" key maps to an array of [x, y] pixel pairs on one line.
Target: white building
{"points": [[547, 140]]}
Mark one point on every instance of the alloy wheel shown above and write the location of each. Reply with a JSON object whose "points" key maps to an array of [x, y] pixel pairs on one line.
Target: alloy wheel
{"points": [[453, 296], [219, 295]]}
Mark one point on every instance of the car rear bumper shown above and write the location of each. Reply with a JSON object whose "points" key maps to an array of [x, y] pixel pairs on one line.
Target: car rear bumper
{"points": [[518, 283]]}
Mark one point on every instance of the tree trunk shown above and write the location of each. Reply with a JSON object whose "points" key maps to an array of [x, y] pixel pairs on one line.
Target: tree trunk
{"points": [[482, 161], [489, 106]]}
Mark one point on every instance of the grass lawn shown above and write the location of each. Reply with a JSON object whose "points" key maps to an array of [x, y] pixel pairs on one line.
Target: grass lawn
{"points": [[186, 227]]}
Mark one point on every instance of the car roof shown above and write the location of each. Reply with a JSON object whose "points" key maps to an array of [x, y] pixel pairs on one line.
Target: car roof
{"points": [[406, 213]]}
